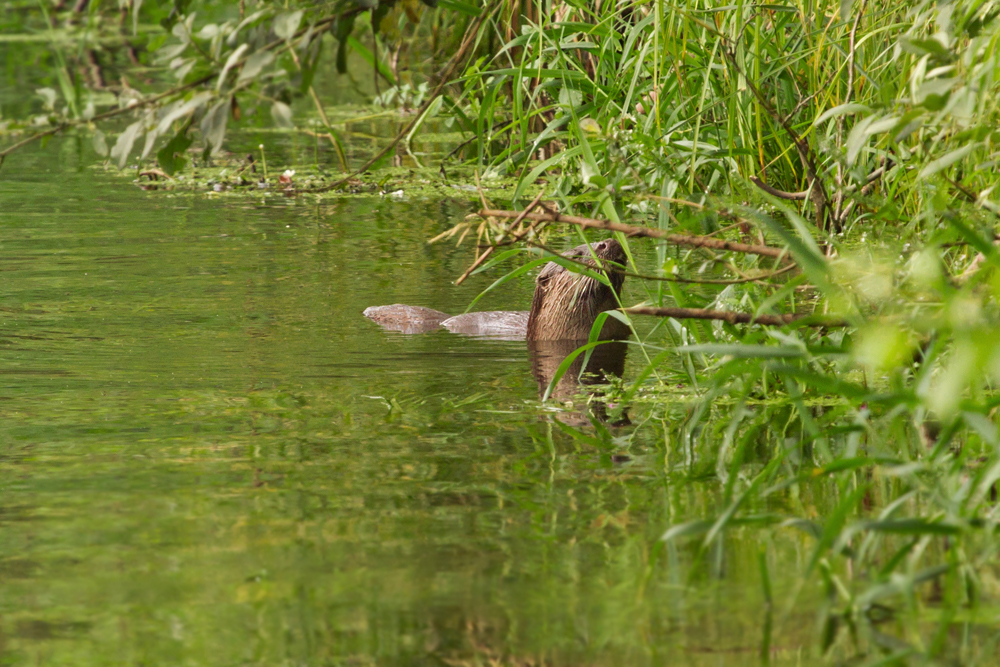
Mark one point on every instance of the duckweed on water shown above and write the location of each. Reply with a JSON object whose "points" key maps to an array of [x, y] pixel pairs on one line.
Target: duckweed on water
{"points": [[234, 177]]}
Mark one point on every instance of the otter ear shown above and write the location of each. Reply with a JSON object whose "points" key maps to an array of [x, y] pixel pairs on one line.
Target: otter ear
{"points": [[549, 270]]}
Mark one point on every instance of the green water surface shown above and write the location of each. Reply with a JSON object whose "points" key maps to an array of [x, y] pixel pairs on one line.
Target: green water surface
{"points": [[209, 457]]}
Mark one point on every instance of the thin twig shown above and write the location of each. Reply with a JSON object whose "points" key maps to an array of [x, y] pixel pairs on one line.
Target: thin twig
{"points": [[479, 190], [723, 230], [682, 202], [781, 194], [872, 178], [739, 318], [761, 278], [966, 192], [153, 174], [489, 251]]}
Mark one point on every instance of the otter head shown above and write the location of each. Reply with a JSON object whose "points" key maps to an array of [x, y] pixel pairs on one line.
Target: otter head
{"points": [[567, 303]]}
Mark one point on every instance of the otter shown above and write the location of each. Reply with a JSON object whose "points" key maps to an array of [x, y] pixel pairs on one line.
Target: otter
{"points": [[564, 307]]}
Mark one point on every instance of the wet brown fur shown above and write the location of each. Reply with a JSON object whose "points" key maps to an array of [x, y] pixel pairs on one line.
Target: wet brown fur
{"points": [[566, 303]]}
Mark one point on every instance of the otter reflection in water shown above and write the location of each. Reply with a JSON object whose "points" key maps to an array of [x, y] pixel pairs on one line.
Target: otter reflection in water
{"points": [[563, 311], [607, 361]]}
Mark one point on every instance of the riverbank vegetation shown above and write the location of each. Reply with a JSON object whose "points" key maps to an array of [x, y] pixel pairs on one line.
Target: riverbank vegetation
{"points": [[854, 142]]}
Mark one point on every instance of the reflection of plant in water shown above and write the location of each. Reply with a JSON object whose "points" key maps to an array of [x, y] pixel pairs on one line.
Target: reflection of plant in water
{"points": [[405, 97], [471, 642]]}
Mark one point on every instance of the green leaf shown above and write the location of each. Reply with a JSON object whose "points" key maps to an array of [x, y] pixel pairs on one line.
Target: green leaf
{"points": [[134, 7], [171, 157], [808, 527], [947, 160], [151, 137], [540, 169], [213, 125], [571, 357], [181, 109], [933, 93], [505, 255], [883, 125], [369, 57], [923, 47], [344, 27], [49, 97], [510, 276], [841, 110], [845, 10], [231, 61], [310, 62], [687, 529], [66, 86], [285, 25], [841, 465], [835, 522], [802, 245], [100, 144], [432, 110], [253, 66], [282, 115], [911, 527], [827, 384], [573, 267], [590, 176], [857, 139], [126, 140], [646, 372], [590, 172]]}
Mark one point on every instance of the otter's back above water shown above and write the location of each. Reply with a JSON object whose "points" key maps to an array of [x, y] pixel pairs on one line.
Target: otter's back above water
{"points": [[512, 324]]}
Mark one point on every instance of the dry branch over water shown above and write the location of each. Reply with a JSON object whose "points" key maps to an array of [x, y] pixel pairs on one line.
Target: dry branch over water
{"points": [[647, 232], [738, 318]]}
